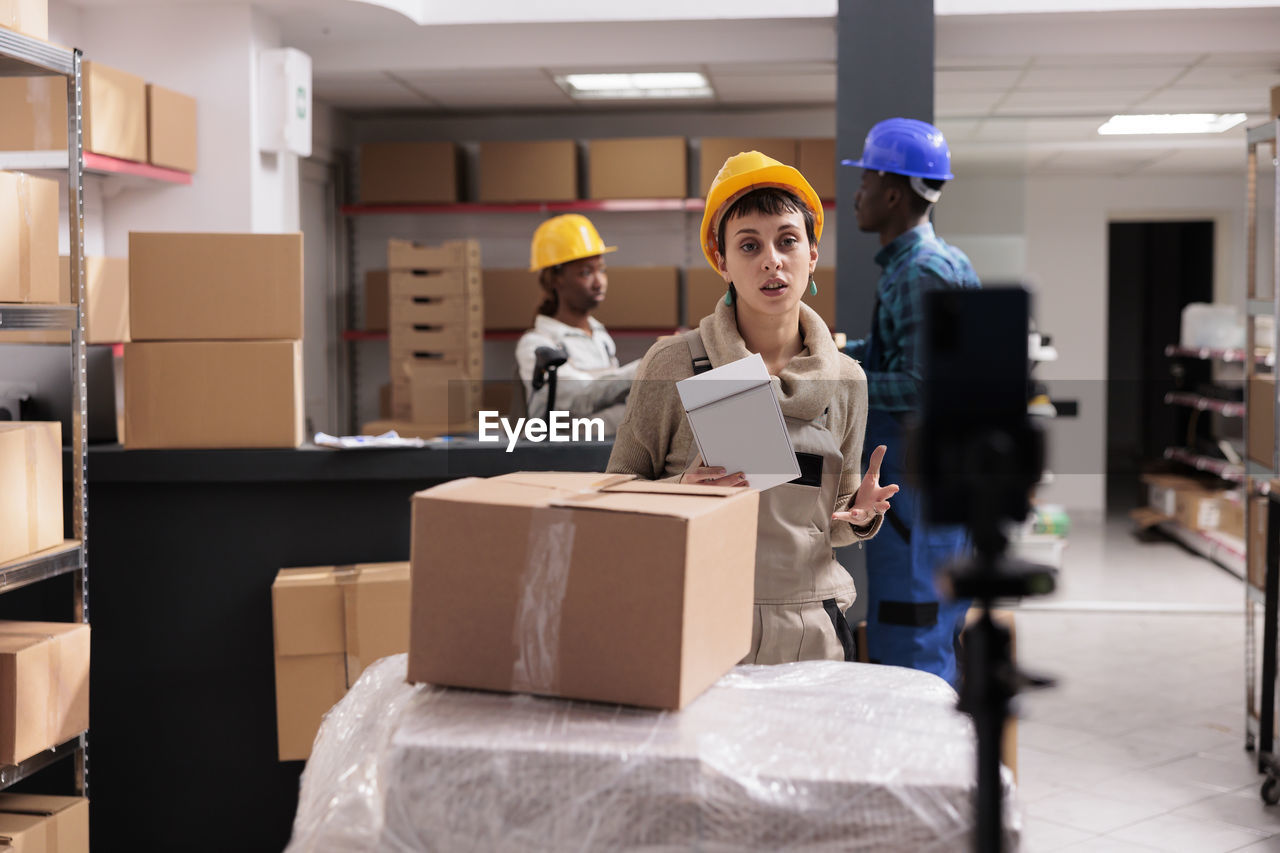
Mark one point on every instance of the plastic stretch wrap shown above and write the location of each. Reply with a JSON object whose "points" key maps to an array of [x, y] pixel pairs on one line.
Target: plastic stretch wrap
{"points": [[808, 756]]}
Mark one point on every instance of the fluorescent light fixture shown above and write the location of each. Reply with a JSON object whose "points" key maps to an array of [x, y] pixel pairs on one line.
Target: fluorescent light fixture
{"points": [[661, 84], [1176, 123]]}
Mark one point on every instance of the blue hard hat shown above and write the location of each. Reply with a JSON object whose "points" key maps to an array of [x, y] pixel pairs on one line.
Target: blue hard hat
{"points": [[906, 146]]}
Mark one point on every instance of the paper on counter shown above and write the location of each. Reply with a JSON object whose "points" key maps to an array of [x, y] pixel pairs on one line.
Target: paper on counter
{"points": [[351, 442], [738, 423]]}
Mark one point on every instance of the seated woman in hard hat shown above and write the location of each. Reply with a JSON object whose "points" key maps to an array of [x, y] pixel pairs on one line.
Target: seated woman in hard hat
{"points": [[760, 231], [568, 255]]}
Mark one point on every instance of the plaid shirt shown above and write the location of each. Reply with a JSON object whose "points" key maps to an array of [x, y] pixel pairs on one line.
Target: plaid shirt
{"points": [[913, 264]]}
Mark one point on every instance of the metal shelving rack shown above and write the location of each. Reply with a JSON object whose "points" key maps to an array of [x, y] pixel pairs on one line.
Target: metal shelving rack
{"points": [[24, 56], [1260, 726]]}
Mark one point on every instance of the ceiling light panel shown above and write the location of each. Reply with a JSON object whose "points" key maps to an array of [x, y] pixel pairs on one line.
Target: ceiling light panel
{"points": [[1170, 123], [659, 85]]}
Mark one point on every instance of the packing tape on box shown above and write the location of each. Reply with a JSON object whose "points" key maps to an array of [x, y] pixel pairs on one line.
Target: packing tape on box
{"points": [[348, 580], [24, 238], [538, 613]]}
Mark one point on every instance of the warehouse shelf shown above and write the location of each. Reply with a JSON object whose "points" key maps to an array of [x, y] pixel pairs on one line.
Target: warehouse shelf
{"points": [[51, 562], [1261, 133], [513, 334], [1228, 356], [622, 205], [1260, 307], [13, 773], [1219, 467], [124, 173], [1255, 469], [1225, 550], [24, 56], [1226, 408], [26, 316]]}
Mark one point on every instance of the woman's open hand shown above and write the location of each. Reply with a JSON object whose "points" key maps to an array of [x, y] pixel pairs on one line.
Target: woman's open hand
{"points": [[871, 498], [704, 476]]}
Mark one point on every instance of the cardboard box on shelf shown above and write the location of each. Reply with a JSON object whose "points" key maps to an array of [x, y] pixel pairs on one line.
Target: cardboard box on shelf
{"points": [[816, 160], [106, 282], [1162, 491], [218, 287], [679, 586], [29, 17], [654, 167], [377, 300], [30, 487], [409, 173], [437, 394], [35, 113], [456, 254], [1257, 547], [28, 239], [44, 823], [641, 298], [44, 686], [1262, 420], [511, 299], [331, 622], [444, 325], [193, 394], [115, 112], [1230, 515], [1198, 509], [171, 129], [458, 286], [528, 171], [716, 149]]}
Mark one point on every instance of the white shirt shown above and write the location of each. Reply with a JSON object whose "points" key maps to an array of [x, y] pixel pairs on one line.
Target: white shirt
{"points": [[590, 383]]}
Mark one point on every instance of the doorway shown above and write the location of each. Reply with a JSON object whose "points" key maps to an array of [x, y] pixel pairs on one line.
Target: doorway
{"points": [[1155, 269]]}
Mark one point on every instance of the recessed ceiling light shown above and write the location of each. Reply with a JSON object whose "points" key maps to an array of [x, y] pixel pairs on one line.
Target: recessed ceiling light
{"points": [[662, 84], [1176, 123]]}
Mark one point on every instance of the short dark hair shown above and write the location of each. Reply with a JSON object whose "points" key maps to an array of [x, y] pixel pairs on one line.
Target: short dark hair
{"points": [[771, 201]]}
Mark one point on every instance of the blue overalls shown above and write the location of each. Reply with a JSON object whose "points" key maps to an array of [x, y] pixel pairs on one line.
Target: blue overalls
{"points": [[909, 623]]}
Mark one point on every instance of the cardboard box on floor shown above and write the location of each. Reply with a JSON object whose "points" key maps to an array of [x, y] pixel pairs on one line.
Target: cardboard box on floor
{"points": [[39, 823], [330, 623], [528, 171], [216, 287], [30, 488], [106, 282], [193, 394], [28, 239], [1262, 420], [641, 298], [44, 686], [600, 587], [171, 129], [29, 17], [409, 173], [654, 167]]}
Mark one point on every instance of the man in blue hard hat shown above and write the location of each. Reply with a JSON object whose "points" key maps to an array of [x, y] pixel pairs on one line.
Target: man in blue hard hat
{"points": [[905, 163]]}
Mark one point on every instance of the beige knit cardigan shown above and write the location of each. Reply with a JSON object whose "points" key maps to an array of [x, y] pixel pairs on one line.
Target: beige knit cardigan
{"points": [[655, 442]]}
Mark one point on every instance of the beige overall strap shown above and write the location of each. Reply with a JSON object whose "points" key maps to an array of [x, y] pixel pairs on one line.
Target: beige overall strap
{"points": [[697, 351]]}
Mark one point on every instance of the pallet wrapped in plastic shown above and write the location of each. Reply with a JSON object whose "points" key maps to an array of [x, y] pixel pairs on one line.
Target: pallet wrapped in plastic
{"points": [[808, 756]]}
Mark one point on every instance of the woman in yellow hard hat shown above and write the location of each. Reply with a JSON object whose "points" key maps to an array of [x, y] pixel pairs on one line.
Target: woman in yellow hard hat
{"points": [[568, 255], [760, 232]]}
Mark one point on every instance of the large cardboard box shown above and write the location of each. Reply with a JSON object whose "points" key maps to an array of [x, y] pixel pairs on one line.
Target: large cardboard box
{"points": [[528, 171], [816, 160], [1198, 509], [1262, 420], [1162, 491], [39, 823], [217, 287], [44, 686], [655, 167], [190, 394], [106, 282], [716, 149], [29, 17], [1230, 515], [409, 173], [30, 487], [600, 587], [377, 300], [171, 129], [641, 298], [331, 622], [28, 239], [1257, 547], [511, 299], [115, 112]]}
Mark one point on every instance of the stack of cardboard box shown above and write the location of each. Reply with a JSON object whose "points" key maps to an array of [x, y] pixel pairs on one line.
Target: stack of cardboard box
{"points": [[436, 338], [32, 823], [216, 322]]}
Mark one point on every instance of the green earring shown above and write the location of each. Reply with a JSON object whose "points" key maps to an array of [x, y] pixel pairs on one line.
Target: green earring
{"points": [[813, 287], [728, 296]]}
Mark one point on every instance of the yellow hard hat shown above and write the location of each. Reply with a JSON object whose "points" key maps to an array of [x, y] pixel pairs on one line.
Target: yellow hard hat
{"points": [[561, 239], [742, 173]]}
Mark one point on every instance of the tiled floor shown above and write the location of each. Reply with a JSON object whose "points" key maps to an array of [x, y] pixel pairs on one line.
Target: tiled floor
{"points": [[1141, 745]]}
